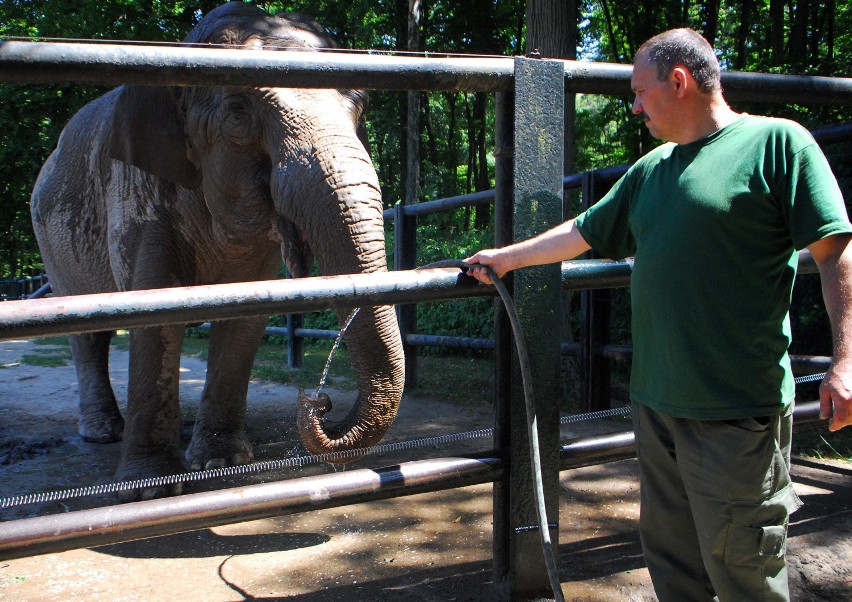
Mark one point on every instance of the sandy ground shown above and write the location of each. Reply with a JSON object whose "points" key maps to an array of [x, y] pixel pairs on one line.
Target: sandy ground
{"points": [[432, 547]]}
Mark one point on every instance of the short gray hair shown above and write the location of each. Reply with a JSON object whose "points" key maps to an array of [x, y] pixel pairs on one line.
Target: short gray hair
{"points": [[688, 48]]}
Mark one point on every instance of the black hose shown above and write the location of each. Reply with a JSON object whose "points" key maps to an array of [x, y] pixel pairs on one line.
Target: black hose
{"points": [[532, 426]]}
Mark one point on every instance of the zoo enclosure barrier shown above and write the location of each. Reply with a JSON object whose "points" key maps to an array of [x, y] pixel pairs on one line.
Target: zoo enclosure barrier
{"points": [[529, 142], [21, 288]]}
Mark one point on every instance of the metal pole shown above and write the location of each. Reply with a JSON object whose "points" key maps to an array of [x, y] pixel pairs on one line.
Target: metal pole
{"points": [[138, 520], [539, 148], [56, 62], [504, 155], [133, 309]]}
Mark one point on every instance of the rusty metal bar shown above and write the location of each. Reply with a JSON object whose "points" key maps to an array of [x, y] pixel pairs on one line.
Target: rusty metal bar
{"points": [[56, 62], [133, 309], [139, 520]]}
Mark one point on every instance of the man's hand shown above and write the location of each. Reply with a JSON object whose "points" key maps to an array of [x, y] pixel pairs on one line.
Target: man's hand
{"points": [[493, 258], [835, 396]]}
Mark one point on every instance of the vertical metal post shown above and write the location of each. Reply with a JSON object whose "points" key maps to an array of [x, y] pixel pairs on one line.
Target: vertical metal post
{"points": [[504, 153], [295, 343], [538, 160], [596, 323], [405, 258]]}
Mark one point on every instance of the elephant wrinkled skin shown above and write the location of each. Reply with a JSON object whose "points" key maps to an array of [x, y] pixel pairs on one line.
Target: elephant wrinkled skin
{"points": [[151, 187]]}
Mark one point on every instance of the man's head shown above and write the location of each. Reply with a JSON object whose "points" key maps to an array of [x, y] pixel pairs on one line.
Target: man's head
{"points": [[687, 48], [676, 80]]}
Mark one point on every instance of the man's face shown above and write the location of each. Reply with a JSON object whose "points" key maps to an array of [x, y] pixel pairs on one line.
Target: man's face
{"points": [[655, 99]]}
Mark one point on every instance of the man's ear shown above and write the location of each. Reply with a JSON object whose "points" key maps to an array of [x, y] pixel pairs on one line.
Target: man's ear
{"points": [[680, 78]]}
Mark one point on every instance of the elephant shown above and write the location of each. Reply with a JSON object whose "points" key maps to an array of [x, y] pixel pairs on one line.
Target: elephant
{"points": [[155, 186]]}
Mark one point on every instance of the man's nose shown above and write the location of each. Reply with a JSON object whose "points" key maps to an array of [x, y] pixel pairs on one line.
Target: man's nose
{"points": [[637, 106]]}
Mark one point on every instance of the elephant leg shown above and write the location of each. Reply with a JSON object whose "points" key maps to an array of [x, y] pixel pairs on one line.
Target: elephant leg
{"points": [[100, 419], [151, 445], [218, 437]]}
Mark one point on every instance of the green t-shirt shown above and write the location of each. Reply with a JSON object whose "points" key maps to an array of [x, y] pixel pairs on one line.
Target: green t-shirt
{"points": [[714, 227]]}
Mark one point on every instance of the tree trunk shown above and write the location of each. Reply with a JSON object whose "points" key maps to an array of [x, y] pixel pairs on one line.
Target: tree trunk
{"points": [[711, 19], [799, 31], [776, 30], [743, 34], [412, 172], [481, 180]]}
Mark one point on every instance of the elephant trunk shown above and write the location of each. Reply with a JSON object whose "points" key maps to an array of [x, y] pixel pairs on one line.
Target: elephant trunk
{"points": [[372, 335], [346, 234]]}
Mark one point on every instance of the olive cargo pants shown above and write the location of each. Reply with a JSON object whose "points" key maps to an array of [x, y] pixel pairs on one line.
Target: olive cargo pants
{"points": [[716, 496]]}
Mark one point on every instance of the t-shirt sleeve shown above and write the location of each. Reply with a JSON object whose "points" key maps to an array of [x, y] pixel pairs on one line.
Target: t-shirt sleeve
{"points": [[814, 201], [605, 225]]}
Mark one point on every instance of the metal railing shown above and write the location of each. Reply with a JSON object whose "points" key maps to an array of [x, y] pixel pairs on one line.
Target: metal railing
{"points": [[39, 62]]}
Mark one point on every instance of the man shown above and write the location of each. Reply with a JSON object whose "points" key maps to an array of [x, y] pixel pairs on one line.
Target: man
{"points": [[713, 220]]}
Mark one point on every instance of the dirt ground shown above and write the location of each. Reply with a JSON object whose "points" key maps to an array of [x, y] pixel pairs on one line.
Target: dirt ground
{"points": [[433, 547]]}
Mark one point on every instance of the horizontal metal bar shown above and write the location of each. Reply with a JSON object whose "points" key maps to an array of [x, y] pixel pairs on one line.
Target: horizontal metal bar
{"points": [[810, 364], [134, 309], [57, 62], [611, 78], [429, 340], [139, 520], [283, 331], [602, 273], [485, 197], [586, 451], [595, 273], [776, 88]]}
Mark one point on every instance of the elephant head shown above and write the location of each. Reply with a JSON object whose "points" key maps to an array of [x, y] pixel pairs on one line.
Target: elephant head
{"points": [[285, 166]]}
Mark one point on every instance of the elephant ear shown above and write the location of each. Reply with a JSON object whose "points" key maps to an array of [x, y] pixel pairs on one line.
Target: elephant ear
{"points": [[148, 132]]}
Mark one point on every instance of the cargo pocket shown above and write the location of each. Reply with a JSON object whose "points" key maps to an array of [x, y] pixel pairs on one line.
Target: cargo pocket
{"points": [[757, 535]]}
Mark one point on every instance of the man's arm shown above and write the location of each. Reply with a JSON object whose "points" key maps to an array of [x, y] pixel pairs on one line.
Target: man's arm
{"points": [[557, 244], [833, 255]]}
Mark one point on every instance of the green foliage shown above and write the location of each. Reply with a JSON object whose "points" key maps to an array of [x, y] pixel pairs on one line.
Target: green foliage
{"points": [[819, 443], [450, 236], [54, 352]]}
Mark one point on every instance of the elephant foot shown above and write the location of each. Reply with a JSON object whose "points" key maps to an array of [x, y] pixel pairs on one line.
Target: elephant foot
{"points": [[101, 427], [211, 450], [154, 467]]}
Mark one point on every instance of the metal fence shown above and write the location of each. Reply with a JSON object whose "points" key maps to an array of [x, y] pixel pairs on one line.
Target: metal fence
{"points": [[21, 288], [529, 141]]}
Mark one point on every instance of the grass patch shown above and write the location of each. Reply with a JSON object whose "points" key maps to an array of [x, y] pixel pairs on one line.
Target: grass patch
{"points": [[46, 361], [54, 341], [821, 444], [56, 353]]}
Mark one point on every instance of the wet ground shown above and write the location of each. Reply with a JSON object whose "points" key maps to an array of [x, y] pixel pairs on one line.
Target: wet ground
{"points": [[434, 547]]}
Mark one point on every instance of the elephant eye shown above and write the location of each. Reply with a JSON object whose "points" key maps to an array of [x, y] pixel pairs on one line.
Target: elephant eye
{"points": [[237, 119]]}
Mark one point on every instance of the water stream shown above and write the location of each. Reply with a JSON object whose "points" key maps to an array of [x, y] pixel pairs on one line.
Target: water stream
{"points": [[333, 349]]}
